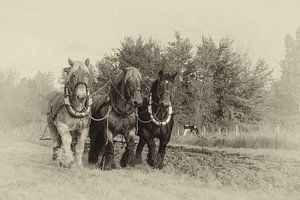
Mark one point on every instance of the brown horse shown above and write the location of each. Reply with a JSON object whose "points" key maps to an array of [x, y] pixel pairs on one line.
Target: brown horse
{"points": [[69, 114], [156, 120], [117, 111]]}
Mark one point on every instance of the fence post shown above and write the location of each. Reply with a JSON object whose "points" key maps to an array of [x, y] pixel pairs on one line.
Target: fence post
{"points": [[236, 130]]}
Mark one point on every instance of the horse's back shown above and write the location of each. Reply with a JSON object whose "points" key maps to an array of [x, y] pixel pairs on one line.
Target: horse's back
{"points": [[56, 101]]}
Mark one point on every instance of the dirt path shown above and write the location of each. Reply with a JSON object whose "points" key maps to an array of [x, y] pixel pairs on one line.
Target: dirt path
{"points": [[27, 172]]}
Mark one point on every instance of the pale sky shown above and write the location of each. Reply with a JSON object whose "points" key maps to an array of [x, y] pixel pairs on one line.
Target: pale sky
{"points": [[41, 35]]}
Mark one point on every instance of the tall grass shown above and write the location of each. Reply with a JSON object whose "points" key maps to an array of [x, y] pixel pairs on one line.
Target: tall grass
{"points": [[259, 139]]}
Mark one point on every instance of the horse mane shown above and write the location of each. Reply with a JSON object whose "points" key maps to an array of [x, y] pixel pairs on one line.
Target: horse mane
{"points": [[154, 86], [131, 73]]}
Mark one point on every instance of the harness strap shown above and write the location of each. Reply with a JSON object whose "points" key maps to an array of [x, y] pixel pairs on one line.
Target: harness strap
{"points": [[103, 118], [154, 119], [71, 110]]}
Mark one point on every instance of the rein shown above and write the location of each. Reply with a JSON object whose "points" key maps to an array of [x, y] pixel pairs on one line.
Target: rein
{"points": [[111, 107], [103, 118], [123, 98]]}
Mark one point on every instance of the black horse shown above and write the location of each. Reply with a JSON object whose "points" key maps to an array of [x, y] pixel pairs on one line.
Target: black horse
{"points": [[116, 115], [156, 120]]}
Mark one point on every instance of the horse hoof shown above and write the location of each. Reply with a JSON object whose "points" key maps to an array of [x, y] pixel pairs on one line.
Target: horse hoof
{"points": [[68, 165], [109, 166], [79, 165], [123, 163], [54, 157], [160, 165], [138, 160], [152, 161]]}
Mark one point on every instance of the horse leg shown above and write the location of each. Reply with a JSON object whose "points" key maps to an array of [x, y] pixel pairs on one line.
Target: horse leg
{"points": [[109, 152], [56, 140], [162, 152], [80, 146], [97, 141], [152, 154], [128, 155], [66, 138], [139, 150], [163, 141]]}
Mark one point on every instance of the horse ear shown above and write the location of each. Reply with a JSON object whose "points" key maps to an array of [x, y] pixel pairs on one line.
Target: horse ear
{"points": [[67, 69], [147, 78], [71, 63], [87, 62], [160, 74], [124, 69]]}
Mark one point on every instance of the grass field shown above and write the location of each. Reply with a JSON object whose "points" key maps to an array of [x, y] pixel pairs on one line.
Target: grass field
{"points": [[262, 139], [27, 172]]}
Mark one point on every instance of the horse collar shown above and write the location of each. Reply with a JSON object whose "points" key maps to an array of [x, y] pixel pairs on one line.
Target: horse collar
{"points": [[154, 119], [124, 113], [71, 110]]}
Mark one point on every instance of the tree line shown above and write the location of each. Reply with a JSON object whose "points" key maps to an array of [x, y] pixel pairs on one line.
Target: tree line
{"points": [[217, 87]]}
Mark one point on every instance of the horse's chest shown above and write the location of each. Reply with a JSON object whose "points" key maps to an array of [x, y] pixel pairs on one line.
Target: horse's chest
{"points": [[120, 124], [78, 123]]}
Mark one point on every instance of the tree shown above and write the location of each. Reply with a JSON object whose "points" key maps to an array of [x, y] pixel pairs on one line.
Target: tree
{"points": [[230, 91], [179, 58], [146, 55], [284, 97]]}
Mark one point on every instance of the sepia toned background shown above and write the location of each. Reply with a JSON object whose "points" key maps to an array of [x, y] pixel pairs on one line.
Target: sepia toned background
{"points": [[39, 35], [238, 82]]}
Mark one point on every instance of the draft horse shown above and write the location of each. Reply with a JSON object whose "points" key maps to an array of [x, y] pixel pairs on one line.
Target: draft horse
{"points": [[116, 115], [156, 120], [68, 114]]}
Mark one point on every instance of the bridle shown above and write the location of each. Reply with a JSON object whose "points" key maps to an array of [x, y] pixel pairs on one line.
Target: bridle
{"points": [[127, 112], [71, 110], [154, 118]]}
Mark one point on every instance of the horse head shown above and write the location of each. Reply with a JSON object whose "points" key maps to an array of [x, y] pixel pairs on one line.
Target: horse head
{"points": [[127, 85], [77, 79], [162, 88], [132, 82]]}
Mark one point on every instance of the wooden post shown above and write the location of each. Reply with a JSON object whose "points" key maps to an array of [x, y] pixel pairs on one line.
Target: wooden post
{"points": [[236, 130]]}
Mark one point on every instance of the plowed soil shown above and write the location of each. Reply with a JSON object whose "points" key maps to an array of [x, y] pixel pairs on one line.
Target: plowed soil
{"points": [[27, 172], [250, 169]]}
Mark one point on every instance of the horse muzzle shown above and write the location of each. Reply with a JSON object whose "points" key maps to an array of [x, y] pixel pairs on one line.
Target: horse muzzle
{"points": [[81, 92]]}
